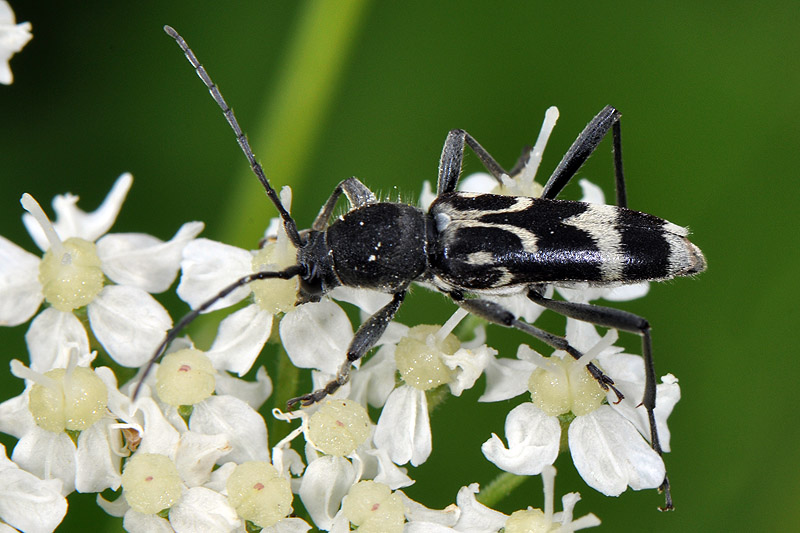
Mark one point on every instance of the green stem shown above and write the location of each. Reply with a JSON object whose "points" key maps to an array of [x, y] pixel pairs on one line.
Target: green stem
{"points": [[499, 488], [292, 119]]}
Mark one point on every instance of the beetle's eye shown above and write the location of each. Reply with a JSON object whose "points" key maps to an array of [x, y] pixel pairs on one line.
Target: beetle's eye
{"points": [[311, 286]]}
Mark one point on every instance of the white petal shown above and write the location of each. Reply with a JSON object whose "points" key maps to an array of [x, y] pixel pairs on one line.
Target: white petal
{"points": [[14, 37], [73, 222], [592, 194], [159, 435], [367, 300], [469, 365], [478, 182], [116, 508], [197, 454], [240, 338], [136, 522], [610, 454], [628, 374], [624, 293], [15, 417], [520, 305], [404, 428], [20, 290], [97, 467], [129, 323], [29, 503], [506, 378], [476, 517], [533, 441], [51, 338], [201, 509], [418, 515], [207, 268], [255, 393], [47, 455], [388, 473], [143, 261], [374, 380], [325, 482], [427, 196], [316, 335], [240, 423]]}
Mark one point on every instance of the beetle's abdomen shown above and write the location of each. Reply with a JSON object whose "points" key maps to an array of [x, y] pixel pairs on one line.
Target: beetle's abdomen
{"points": [[490, 241], [379, 246]]}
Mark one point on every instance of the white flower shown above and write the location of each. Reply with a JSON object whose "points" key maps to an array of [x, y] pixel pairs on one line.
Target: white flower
{"points": [[426, 357], [467, 515], [13, 37], [340, 453], [27, 502], [211, 414], [538, 520], [56, 406], [170, 469], [126, 320], [607, 449]]}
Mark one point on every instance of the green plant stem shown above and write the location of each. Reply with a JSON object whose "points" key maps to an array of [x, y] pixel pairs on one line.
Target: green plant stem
{"points": [[499, 488], [292, 118]]}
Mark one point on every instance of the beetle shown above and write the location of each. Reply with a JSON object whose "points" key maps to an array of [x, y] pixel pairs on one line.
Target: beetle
{"points": [[470, 245]]}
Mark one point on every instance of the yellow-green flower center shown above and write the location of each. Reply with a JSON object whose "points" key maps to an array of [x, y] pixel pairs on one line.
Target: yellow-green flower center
{"points": [[68, 401], [151, 483], [185, 377], [274, 295], [419, 357], [566, 386], [71, 278], [374, 508], [259, 494], [529, 521], [339, 427]]}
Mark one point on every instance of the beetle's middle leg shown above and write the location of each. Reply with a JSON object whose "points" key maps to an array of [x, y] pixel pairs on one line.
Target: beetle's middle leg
{"points": [[496, 313]]}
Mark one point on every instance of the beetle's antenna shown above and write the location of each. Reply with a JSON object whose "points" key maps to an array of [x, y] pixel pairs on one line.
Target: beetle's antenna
{"points": [[287, 273], [288, 222]]}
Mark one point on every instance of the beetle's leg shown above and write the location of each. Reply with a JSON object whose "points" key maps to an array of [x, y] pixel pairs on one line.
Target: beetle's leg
{"points": [[172, 334], [365, 338], [357, 194], [496, 313], [583, 147], [453, 156], [625, 321]]}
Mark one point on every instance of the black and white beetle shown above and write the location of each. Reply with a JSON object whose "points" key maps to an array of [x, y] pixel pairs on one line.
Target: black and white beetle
{"points": [[470, 244]]}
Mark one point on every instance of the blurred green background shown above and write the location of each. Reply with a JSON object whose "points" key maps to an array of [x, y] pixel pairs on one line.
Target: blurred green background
{"points": [[709, 94]]}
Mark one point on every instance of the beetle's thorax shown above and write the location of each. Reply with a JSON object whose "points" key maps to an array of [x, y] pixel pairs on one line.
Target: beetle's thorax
{"points": [[379, 246]]}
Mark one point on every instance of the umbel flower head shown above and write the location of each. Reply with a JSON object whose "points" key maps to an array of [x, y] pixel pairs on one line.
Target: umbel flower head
{"points": [[192, 452], [78, 260]]}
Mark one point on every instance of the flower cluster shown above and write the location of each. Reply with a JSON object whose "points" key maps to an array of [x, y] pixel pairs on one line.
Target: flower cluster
{"points": [[191, 451]]}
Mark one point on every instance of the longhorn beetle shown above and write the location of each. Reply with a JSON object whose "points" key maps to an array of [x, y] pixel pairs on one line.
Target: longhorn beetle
{"points": [[473, 244]]}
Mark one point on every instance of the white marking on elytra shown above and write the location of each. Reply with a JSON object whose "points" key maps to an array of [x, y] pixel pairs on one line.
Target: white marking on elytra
{"points": [[599, 222]]}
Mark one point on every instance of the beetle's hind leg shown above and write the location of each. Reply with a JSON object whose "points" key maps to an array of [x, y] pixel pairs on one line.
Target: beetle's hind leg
{"points": [[622, 320], [583, 147]]}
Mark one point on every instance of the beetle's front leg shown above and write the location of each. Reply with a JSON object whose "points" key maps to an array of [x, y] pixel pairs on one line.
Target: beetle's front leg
{"points": [[357, 194], [365, 338]]}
